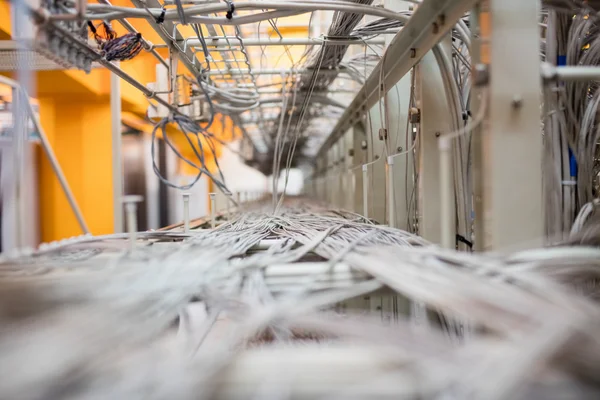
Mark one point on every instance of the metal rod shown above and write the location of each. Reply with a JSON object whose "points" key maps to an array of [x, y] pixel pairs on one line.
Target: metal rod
{"points": [[131, 215], [447, 201], [389, 170], [275, 71], [248, 42], [117, 166], [213, 210], [81, 7], [570, 73], [186, 212], [365, 172], [328, 91]]}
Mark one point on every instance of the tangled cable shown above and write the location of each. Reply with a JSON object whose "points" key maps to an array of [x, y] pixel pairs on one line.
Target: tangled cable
{"points": [[189, 128], [346, 324], [116, 48]]}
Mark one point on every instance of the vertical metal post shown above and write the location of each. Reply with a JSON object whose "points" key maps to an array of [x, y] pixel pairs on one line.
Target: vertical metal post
{"points": [[512, 138], [117, 166], [476, 135], [365, 182], [131, 215], [19, 137], [447, 201], [213, 209], [391, 203], [186, 212], [435, 119]]}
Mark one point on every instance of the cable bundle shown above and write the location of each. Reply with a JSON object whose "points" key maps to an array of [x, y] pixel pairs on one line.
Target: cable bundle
{"points": [[123, 48], [114, 48], [189, 128], [330, 56], [572, 138], [333, 307]]}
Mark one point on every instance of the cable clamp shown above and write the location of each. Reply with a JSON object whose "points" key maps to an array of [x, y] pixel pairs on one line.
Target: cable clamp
{"points": [[231, 9], [161, 17], [462, 239]]}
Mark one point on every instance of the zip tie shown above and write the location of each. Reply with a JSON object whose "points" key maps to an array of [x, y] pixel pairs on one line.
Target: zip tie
{"points": [[462, 239], [161, 17], [231, 10]]}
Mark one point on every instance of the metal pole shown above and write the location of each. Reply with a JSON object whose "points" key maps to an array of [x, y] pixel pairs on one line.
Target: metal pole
{"points": [[511, 134], [448, 209], [117, 167], [365, 172], [186, 212], [275, 71], [570, 73], [389, 169], [131, 213], [213, 205]]}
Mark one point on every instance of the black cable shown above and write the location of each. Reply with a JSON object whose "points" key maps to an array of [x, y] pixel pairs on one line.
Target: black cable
{"points": [[123, 48], [231, 10], [181, 13]]}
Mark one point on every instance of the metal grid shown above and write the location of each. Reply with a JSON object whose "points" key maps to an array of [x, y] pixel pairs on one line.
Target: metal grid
{"points": [[37, 59]]}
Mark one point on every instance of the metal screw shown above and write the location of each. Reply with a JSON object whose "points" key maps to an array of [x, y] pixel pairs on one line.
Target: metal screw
{"points": [[438, 134], [517, 101], [399, 149]]}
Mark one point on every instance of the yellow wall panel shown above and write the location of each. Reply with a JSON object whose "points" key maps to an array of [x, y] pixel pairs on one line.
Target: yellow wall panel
{"points": [[5, 22], [79, 132]]}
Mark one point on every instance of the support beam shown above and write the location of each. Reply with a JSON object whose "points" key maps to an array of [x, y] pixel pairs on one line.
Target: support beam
{"points": [[435, 119], [117, 167], [512, 138]]}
